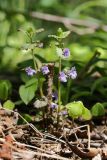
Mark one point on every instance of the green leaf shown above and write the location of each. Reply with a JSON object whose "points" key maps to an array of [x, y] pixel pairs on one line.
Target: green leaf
{"points": [[24, 77], [59, 52], [27, 117], [86, 115], [99, 82], [53, 36], [26, 63], [98, 110], [75, 109], [27, 91], [81, 94], [47, 3], [61, 35], [27, 47], [5, 89], [26, 94], [9, 105], [64, 34], [32, 82], [30, 31], [40, 30]]}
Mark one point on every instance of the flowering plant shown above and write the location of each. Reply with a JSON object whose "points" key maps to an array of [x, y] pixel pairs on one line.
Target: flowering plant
{"points": [[41, 80]]}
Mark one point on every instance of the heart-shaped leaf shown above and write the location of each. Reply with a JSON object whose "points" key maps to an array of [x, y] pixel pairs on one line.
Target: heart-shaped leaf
{"points": [[27, 92]]}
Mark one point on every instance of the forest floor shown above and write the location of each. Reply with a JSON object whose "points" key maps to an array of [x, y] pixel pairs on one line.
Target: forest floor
{"points": [[26, 142]]}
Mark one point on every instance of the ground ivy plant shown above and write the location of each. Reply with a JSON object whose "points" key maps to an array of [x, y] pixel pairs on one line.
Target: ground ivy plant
{"points": [[51, 102]]}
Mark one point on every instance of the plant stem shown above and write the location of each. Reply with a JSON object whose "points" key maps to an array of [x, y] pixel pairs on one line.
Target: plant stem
{"points": [[68, 91], [33, 57], [41, 91], [35, 66], [59, 93]]}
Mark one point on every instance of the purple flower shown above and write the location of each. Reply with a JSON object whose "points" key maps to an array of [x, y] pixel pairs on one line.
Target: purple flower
{"points": [[55, 96], [72, 73], [45, 70], [54, 105], [63, 113], [30, 71], [66, 52], [62, 77]]}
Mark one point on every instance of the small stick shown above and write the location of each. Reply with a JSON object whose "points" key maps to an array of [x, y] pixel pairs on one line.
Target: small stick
{"points": [[89, 137]]}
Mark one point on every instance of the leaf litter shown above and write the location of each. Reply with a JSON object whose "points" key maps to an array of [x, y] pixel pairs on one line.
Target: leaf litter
{"points": [[26, 142]]}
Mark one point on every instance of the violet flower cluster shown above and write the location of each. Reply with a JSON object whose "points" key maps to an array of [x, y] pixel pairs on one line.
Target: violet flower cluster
{"points": [[31, 72], [45, 70], [72, 74], [66, 52], [54, 105]]}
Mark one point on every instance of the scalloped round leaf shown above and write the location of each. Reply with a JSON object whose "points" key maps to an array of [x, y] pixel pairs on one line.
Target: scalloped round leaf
{"points": [[75, 109], [98, 110], [86, 115], [9, 105]]}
